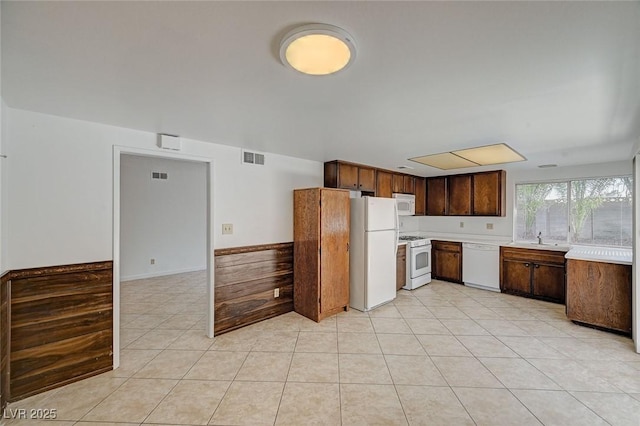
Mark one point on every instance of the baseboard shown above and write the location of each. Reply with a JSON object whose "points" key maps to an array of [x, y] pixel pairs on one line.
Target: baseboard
{"points": [[160, 274]]}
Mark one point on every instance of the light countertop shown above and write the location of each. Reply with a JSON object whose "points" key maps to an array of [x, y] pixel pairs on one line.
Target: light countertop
{"points": [[619, 255], [536, 246], [462, 238]]}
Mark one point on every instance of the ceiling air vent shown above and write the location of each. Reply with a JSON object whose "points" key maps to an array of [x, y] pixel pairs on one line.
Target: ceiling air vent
{"points": [[249, 157], [159, 175]]}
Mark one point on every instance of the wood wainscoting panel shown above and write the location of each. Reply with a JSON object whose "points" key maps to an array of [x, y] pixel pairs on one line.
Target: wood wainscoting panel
{"points": [[245, 280], [61, 326]]}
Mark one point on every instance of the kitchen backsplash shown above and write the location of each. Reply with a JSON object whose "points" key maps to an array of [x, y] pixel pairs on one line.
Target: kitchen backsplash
{"points": [[409, 223], [494, 226]]}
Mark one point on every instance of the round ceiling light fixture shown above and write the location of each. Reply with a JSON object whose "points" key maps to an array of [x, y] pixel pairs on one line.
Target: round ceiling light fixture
{"points": [[317, 49]]}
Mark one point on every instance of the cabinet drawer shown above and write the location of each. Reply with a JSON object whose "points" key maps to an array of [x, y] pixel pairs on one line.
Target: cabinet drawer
{"points": [[447, 246], [533, 255]]}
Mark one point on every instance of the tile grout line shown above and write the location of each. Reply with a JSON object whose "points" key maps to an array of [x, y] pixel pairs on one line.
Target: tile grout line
{"points": [[286, 380]]}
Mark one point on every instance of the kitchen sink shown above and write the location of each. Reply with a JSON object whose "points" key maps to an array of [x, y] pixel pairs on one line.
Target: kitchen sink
{"points": [[543, 246]]}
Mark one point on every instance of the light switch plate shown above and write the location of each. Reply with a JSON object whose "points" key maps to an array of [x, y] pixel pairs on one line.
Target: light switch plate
{"points": [[227, 228]]}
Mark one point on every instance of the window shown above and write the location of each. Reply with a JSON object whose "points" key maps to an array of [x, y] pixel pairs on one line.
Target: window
{"points": [[587, 211]]}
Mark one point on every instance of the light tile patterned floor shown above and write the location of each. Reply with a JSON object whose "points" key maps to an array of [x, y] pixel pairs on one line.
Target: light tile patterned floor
{"points": [[443, 354]]}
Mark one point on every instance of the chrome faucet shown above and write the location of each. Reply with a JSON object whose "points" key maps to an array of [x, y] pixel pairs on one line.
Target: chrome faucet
{"points": [[539, 237]]}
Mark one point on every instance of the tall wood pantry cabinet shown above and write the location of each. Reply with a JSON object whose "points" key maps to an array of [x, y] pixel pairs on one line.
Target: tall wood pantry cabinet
{"points": [[320, 252]]}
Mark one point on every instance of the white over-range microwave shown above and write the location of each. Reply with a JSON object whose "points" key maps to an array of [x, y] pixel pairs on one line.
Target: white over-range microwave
{"points": [[406, 204]]}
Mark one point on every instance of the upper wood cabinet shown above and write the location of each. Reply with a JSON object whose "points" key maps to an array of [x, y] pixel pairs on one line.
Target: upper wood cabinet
{"points": [[384, 184], [398, 183], [459, 195], [366, 179], [349, 176], [471, 194], [489, 193], [421, 196], [409, 184], [437, 196], [403, 184], [358, 177]]}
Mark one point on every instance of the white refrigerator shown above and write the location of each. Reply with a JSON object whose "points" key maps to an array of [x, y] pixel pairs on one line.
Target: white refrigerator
{"points": [[373, 248]]}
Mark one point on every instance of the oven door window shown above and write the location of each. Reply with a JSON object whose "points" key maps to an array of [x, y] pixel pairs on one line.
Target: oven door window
{"points": [[422, 260], [420, 264]]}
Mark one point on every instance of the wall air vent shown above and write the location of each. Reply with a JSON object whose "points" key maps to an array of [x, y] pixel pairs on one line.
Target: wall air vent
{"points": [[249, 157], [159, 175], [172, 142]]}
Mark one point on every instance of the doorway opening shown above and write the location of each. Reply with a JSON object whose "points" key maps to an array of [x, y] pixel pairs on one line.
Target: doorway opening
{"points": [[162, 235]]}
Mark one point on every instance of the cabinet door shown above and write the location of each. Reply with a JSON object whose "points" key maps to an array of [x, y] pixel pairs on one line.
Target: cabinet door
{"points": [[599, 294], [459, 192], [489, 193], [334, 245], [447, 264], [347, 176], [437, 196], [398, 183], [421, 196], [366, 179], [401, 266], [548, 282], [409, 184], [516, 276], [384, 184]]}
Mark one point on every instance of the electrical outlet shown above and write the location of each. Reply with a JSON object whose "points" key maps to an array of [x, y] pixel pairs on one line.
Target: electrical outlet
{"points": [[276, 292], [489, 225], [461, 224], [152, 261], [227, 228]]}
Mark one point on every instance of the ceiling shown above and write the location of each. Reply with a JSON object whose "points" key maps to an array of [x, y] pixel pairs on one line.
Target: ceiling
{"points": [[557, 81]]}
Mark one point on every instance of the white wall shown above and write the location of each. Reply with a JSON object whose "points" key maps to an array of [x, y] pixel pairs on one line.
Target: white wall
{"points": [[635, 278], [503, 226], [164, 220], [4, 192], [60, 203], [4, 223]]}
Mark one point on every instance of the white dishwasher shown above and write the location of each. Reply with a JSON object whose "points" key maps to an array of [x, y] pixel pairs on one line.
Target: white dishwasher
{"points": [[481, 266]]}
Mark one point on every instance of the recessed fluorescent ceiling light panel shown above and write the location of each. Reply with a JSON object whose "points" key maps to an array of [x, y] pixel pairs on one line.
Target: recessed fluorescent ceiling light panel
{"points": [[444, 161], [317, 49], [481, 156]]}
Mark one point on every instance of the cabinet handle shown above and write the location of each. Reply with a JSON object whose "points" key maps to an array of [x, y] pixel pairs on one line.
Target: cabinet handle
{"points": [[526, 264], [536, 265], [347, 246]]}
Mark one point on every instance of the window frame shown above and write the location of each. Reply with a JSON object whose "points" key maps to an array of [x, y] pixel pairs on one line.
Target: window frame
{"points": [[568, 181]]}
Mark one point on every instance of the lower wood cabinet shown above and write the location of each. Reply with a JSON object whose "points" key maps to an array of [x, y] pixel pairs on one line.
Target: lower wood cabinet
{"points": [[533, 273], [401, 266], [599, 294], [446, 261]]}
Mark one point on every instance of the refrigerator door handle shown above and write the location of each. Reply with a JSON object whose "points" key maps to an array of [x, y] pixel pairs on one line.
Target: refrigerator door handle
{"points": [[395, 208]]}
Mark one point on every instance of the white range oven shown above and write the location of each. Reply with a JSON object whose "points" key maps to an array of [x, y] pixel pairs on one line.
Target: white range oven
{"points": [[418, 261]]}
